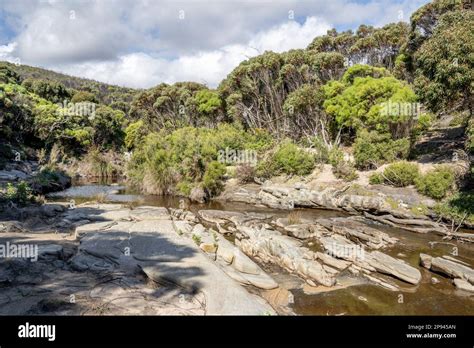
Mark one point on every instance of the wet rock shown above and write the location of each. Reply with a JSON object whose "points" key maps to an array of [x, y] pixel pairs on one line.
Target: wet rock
{"points": [[398, 268], [340, 247], [452, 269], [425, 260]]}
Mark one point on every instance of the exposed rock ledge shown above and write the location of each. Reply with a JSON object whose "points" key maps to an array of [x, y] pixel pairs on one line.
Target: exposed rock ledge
{"points": [[395, 207], [461, 272], [350, 246]]}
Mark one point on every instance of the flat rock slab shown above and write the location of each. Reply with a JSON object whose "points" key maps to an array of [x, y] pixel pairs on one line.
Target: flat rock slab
{"points": [[218, 216], [384, 263], [154, 245], [452, 269]]}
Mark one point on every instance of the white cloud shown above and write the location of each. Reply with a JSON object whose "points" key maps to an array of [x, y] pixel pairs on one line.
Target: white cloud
{"points": [[210, 67], [141, 43], [6, 52]]}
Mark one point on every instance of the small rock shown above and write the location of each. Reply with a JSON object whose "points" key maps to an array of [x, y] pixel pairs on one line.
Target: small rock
{"points": [[425, 260], [210, 248], [434, 280], [225, 254]]}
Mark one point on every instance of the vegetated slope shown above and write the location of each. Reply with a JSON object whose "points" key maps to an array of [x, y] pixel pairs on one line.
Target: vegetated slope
{"points": [[105, 93]]}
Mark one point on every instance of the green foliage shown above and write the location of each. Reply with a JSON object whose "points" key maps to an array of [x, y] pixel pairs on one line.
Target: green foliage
{"points": [[359, 105], [459, 208], [363, 71], [99, 164], [19, 194], [341, 168], [335, 156], [287, 159], [54, 92], [303, 110], [212, 179], [274, 91], [174, 106], [134, 133], [436, 183], [401, 173], [84, 96], [184, 187], [372, 149], [376, 179], [8, 75], [444, 63], [379, 46], [322, 151], [162, 162], [208, 103], [107, 125]]}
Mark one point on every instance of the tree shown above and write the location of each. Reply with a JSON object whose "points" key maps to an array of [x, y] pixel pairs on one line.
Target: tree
{"points": [[107, 125], [84, 96], [53, 91], [358, 102], [445, 63]]}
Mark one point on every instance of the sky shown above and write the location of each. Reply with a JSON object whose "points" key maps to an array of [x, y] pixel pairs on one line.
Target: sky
{"points": [[141, 43]]}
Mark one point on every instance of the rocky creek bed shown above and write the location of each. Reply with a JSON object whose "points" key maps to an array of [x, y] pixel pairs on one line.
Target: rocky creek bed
{"points": [[165, 256]]}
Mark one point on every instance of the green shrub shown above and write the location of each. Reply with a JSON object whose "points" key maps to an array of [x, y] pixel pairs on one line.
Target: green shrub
{"points": [[459, 208], [20, 193], [401, 173], [134, 133], [436, 183], [376, 179], [287, 159], [372, 149], [212, 180], [184, 187]]}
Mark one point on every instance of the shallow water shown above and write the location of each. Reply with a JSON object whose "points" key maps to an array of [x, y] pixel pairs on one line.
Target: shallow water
{"points": [[366, 299]]}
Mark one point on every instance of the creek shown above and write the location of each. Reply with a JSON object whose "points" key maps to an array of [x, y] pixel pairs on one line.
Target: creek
{"points": [[434, 295]]}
